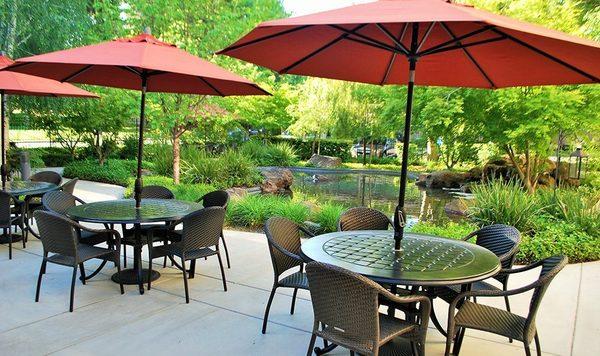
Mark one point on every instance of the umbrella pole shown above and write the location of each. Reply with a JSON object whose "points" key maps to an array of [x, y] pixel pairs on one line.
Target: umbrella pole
{"points": [[400, 213], [3, 166], [138, 180]]}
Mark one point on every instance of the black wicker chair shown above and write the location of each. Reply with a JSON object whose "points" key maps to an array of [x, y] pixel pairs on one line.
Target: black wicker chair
{"points": [[217, 198], [362, 218], [471, 315], [346, 309], [148, 192], [11, 215], [33, 202], [60, 238], [284, 239], [199, 239], [69, 186], [502, 240]]}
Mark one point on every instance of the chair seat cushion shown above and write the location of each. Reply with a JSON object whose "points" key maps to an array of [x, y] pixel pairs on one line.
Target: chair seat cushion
{"points": [[85, 253], [448, 293], [494, 320], [294, 280]]}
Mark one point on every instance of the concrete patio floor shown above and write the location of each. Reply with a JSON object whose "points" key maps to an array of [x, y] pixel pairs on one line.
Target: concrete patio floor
{"points": [[228, 323]]}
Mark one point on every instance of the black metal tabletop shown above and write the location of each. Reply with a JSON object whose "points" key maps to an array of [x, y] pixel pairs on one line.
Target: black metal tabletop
{"points": [[123, 211], [18, 188], [424, 260]]}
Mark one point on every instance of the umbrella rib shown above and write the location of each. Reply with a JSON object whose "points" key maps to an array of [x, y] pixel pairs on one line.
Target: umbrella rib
{"points": [[459, 38], [233, 48], [211, 86], [374, 45], [77, 73], [548, 55], [469, 55], [462, 46], [366, 38], [393, 58], [398, 44], [425, 36], [320, 49]]}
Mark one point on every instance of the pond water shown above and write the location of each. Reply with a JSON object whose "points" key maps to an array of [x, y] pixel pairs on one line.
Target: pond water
{"points": [[378, 190]]}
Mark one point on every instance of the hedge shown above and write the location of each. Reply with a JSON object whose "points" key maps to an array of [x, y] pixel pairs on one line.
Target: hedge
{"points": [[335, 148]]}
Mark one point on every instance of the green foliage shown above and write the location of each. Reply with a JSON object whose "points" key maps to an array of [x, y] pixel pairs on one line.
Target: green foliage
{"points": [[270, 154], [327, 216], [455, 230], [254, 210], [182, 191], [40, 157], [113, 171], [129, 147], [230, 169], [328, 147]]}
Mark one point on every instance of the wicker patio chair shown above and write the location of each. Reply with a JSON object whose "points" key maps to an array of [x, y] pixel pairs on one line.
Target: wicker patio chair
{"points": [[199, 239], [60, 239], [148, 192], [346, 313], [486, 318], [283, 237], [11, 214], [503, 241], [34, 202], [217, 198], [362, 218], [69, 186], [59, 202]]}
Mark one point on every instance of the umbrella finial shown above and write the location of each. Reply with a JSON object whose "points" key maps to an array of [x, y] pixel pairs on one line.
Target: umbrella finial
{"points": [[147, 30]]}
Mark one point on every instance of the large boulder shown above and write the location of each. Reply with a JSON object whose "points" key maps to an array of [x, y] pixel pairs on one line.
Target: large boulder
{"points": [[325, 161], [442, 179], [277, 181]]}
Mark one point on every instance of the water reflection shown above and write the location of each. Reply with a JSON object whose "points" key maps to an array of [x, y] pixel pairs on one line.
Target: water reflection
{"points": [[377, 191]]}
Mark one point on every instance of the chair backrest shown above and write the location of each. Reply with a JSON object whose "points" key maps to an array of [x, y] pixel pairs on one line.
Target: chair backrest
{"points": [[551, 266], [362, 218], [6, 201], [345, 305], [58, 201], [57, 233], [69, 186], [46, 176], [286, 234], [202, 228], [215, 198], [500, 239], [156, 192]]}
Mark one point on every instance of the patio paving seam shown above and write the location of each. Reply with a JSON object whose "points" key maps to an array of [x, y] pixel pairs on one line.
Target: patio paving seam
{"points": [[577, 308]]}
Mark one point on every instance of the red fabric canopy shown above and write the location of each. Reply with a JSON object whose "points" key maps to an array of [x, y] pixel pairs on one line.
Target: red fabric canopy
{"points": [[459, 46], [121, 62], [23, 84]]}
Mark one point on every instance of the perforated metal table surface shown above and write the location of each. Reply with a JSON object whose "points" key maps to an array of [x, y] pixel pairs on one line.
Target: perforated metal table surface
{"points": [[123, 211], [424, 260]]}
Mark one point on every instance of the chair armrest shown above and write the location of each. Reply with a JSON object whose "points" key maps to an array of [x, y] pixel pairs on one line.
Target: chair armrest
{"points": [[492, 293], [305, 231], [521, 269], [286, 252], [151, 231], [469, 236], [116, 235]]}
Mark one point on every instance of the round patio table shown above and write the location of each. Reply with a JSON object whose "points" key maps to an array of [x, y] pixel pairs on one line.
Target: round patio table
{"points": [[123, 211], [25, 188], [424, 261]]}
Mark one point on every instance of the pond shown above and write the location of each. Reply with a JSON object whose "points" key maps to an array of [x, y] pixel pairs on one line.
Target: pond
{"points": [[378, 190]]}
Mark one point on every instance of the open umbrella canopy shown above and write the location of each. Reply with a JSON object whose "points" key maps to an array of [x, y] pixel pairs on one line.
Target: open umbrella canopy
{"points": [[122, 62], [456, 45], [423, 42], [23, 84]]}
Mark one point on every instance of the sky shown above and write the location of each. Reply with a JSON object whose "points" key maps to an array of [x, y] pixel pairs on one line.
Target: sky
{"points": [[303, 7]]}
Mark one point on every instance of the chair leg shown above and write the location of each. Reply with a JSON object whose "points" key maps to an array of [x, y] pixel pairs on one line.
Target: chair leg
{"points": [[268, 308], [226, 250], [39, 281], [538, 347], [82, 271], [458, 343], [185, 282], [508, 310], [351, 353], [192, 269], [294, 301], [149, 267], [222, 271], [311, 344], [72, 288], [9, 235], [527, 350], [124, 256], [119, 272]]}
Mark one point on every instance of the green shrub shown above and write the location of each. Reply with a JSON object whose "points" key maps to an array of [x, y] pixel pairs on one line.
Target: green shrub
{"points": [[230, 169], [112, 172], [254, 210], [455, 230], [270, 154], [327, 217], [187, 192], [304, 148], [504, 203], [129, 148], [162, 157]]}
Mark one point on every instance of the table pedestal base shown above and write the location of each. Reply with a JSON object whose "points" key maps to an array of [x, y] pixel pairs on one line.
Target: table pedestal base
{"points": [[130, 276], [15, 238]]}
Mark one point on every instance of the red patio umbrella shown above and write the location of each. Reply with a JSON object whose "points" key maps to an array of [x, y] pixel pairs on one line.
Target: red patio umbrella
{"points": [[384, 42], [141, 63], [23, 84]]}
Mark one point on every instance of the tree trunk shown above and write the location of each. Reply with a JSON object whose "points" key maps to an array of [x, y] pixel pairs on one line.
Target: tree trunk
{"points": [[176, 159], [364, 152]]}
